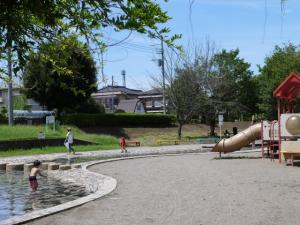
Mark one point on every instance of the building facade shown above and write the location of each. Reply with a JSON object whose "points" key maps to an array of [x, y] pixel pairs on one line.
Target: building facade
{"points": [[111, 96], [153, 100], [32, 105]]}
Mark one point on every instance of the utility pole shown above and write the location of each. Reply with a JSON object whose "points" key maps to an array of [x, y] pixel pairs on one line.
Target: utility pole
{"points": [[10, 89], [163, 73]]}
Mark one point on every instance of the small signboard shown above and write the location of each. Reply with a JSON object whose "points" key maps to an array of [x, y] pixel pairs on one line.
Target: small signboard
{"points": [[50, 119], [220, 118]]}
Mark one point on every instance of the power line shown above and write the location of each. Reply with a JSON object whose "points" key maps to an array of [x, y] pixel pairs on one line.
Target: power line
{"points": [[130, 44]]}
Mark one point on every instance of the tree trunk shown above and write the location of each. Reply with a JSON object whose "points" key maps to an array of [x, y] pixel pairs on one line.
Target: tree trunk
{"points": [[179, 130], [212, 128], [10, 87]]}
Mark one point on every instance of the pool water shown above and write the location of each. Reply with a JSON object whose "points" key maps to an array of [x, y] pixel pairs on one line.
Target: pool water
{"points": [[16, 197]]}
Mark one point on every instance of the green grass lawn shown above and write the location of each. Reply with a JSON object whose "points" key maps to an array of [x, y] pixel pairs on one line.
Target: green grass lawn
{"points": [[18, 132]]}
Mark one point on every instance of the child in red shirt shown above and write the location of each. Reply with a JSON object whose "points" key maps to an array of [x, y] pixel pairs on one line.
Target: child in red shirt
{"points": [[123, 145]]}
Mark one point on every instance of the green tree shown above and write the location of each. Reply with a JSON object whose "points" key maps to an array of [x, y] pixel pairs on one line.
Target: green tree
{"points": [[227, 82], [237, 86], [26, 24], [62, 89], [184, 96], [20, 102], [278, 66]]}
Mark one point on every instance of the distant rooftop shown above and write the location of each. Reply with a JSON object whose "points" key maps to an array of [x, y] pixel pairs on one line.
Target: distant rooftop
{"points": [[154, 91], [123, 89]]}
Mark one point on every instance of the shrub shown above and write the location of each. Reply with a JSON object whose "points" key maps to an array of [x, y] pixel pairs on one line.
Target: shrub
{"points": [[118, 119], [91, 106]]}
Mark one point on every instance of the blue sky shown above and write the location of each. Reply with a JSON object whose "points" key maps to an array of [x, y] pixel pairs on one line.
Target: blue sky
{"points": [[253, 26]]}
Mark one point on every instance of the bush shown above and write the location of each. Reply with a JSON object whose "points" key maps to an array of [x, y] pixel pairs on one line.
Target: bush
{"points": [[91, 106], [122, 119]]}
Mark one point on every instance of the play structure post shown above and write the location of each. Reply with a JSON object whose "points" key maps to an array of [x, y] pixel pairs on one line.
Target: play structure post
{"points": [[220, 119], [262, 140], [279, 134]]}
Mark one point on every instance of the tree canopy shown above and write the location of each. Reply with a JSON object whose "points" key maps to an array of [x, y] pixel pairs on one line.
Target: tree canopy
{"points": [[184, 96], [236, 86], [278, 65], [62, 89], [26, 24], [212, 83]]}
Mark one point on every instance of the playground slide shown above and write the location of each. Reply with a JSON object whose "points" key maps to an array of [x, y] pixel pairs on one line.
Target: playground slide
{"points": [[240, 140]]}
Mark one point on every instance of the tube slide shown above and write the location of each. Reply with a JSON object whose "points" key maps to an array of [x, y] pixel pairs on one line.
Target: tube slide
{"points": [[240, 140]]}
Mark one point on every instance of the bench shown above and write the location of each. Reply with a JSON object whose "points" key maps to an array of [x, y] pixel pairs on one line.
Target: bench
{"points": [[290, 150], [290, 155], [208, 140], [135, 143], [189, 138], [174, 142]]}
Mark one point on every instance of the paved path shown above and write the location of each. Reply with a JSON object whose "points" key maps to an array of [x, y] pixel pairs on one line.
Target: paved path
{"points": [[133, 151], [192, 189]]}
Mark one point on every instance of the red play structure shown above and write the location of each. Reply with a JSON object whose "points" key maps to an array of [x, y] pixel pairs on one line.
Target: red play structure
{"points": [[282, 137], [286, 95]]}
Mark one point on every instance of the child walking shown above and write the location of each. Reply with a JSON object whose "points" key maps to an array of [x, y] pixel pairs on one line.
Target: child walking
{"points": [[69, 141], [33, 173], [123, 145]]}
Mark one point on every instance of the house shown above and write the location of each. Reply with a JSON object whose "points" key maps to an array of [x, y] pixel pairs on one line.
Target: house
{"points": [[153, 100], [4, 95], [131, 106], [110, 96], [32, 105]]}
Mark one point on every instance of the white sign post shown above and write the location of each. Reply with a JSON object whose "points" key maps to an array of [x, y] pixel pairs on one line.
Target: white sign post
{"points": [[50, 120], [220, 118]]}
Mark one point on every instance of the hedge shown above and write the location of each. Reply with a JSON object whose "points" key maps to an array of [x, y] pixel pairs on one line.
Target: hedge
{"points": [[118, 119]]}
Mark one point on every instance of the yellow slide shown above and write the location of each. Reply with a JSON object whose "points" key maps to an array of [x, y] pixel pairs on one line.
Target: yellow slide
{"points": [[240, 140]]}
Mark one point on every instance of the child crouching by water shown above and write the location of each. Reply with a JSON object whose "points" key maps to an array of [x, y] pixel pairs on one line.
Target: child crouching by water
{"points": [[33, 173]]}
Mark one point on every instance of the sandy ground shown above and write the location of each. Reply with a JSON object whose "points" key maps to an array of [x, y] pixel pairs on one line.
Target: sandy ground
{"points": [[192, 189]]}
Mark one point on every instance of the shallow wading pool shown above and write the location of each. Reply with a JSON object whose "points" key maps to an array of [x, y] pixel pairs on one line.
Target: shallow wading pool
{"points": [[16, 197]]}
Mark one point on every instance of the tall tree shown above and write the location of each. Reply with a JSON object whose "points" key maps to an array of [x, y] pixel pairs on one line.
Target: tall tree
{"points": [[237, 85], [62, 89], [278, 65], [27, 24], [184, 96], [227, 82]]}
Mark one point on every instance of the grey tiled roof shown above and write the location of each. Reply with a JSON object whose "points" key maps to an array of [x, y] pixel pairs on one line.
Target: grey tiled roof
{"points": [[123, 89], [154, 91]]}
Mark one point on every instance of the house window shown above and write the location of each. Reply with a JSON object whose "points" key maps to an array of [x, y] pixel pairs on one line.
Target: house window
{"points": [[116, 101], [158, 104], [149, 104]]}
